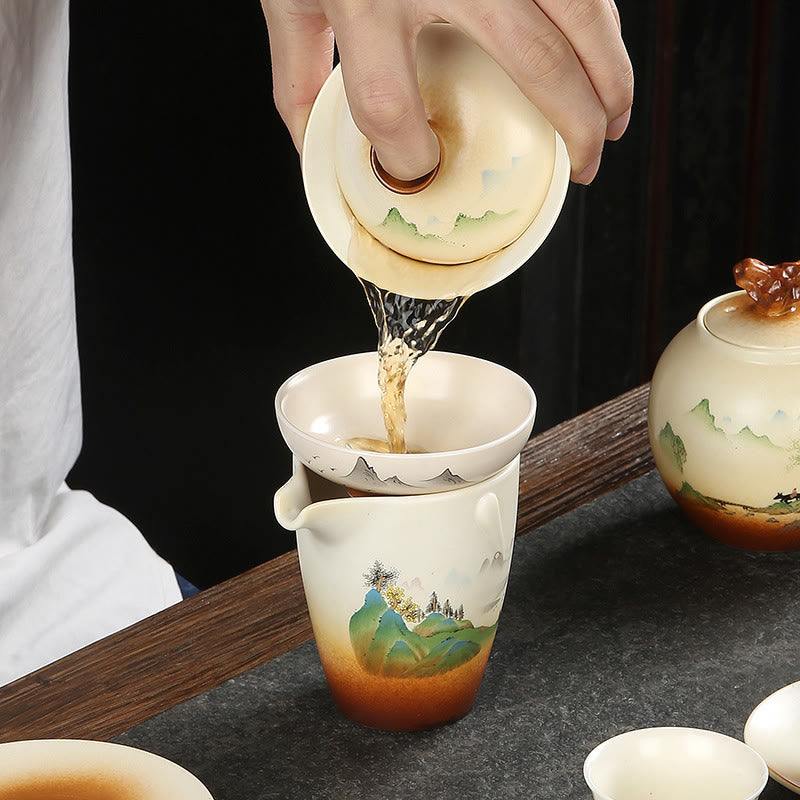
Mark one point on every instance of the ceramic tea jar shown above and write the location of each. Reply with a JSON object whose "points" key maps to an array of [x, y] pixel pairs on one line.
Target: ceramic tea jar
{"points": [[493, 198], [404, 593], [724, 423]]}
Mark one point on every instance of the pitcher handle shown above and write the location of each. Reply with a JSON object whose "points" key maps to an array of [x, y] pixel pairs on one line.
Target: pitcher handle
{"points": [[490, 520]]}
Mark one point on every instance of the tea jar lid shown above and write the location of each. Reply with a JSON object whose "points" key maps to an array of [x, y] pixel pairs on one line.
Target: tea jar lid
{"points": [[498, 190], [765, 314]]}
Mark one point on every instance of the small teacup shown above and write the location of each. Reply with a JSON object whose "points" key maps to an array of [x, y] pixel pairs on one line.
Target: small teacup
{"points": [[91, 770], [674, 764]]}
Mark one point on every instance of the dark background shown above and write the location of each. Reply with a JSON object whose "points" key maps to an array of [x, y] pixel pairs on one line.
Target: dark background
{"points": [[202, 282]]}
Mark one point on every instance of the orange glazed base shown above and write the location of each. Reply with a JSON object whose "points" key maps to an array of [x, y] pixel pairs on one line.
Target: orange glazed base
{"points": [[737, 527], [401, 704]]}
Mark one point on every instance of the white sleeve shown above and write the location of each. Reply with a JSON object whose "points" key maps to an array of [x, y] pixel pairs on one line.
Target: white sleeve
{"points": [[71, 569]]}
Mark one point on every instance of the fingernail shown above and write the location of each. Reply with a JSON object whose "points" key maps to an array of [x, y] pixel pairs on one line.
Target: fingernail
{"points": [[618, 126], [588, 174]]}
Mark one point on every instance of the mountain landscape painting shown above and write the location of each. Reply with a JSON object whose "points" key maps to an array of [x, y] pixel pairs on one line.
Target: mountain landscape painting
{"points": [[738, 478], [395, 637]]}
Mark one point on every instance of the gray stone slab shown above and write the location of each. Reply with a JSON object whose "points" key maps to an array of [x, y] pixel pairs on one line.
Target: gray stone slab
{"points": [[618, 615]]}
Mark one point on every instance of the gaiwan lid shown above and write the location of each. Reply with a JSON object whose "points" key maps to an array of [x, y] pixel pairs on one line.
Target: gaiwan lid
{"points": [[493, 198], [765, 315]]}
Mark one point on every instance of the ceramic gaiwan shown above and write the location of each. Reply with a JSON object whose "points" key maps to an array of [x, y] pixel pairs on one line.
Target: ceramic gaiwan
{"points": [[487, 188], [492, 200], [724, 414]]}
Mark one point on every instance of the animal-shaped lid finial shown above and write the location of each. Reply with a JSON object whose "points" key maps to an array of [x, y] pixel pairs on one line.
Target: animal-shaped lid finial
{"points": [[774, 288]]}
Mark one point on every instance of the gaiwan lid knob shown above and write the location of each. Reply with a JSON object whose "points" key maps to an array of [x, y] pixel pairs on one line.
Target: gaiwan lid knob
{"points": [[497, 160], [766, 314]]}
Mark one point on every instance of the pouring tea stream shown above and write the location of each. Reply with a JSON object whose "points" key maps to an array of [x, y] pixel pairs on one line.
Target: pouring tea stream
{"points": [[491, 201], [405, 589]]}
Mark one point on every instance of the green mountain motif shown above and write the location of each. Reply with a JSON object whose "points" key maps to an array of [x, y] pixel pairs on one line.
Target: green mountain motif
{"points": [[364, 622], [446, 656], [673, 446], [435, 624], [688, 492], [394, 221], [383, 644], [780, 508], [399, 660], [391, 630], [746, 436], [465, 222], [702, 412]]}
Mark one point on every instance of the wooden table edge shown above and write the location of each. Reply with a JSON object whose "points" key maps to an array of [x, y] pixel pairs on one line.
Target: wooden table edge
{"points": [[108, 687]]}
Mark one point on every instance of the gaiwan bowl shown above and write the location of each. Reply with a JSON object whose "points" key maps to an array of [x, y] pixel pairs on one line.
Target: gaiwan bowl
{"points": [[467, 418], [493, 199]]}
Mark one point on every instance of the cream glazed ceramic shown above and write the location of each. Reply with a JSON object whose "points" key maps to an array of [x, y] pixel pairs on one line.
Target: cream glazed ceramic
{"points": [[773, 730], [404, 593], [86, 768], [470, 417], [674, 764], [724, 423], [496, 166], [499, 188]]}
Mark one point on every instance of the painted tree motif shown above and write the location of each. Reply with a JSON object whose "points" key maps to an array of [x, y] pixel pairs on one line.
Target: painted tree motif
{"points": [[794, 454], [399, 601], [434, 606], [378, 576]]}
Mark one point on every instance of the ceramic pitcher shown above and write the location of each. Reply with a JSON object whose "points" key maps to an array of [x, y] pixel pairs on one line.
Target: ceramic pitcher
{"points": [[404, 593]]}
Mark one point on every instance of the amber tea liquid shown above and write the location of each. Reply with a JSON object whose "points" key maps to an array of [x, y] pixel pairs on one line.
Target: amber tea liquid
{"points": [[407, 329]]}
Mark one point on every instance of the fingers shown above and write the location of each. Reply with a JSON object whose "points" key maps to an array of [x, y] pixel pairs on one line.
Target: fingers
{"points": [[301, 49], [567, 56], [593, 30], [377, 49], [615, 12], [573, 65]]}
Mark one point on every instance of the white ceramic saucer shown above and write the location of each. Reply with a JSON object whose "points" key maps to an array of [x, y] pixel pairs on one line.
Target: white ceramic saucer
{"points": [[773, 730], [384, 267], [85, 768], [471, 417]]}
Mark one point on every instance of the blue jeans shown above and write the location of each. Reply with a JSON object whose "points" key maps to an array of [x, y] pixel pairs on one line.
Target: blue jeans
{"points": [[187, 589]]}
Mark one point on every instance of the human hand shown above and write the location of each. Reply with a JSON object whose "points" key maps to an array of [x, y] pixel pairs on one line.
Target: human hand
{"points": [[567, 56]]}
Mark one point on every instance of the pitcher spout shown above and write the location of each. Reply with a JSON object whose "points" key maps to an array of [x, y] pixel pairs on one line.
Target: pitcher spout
{"points": [[292, 500], [303, 503]]}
